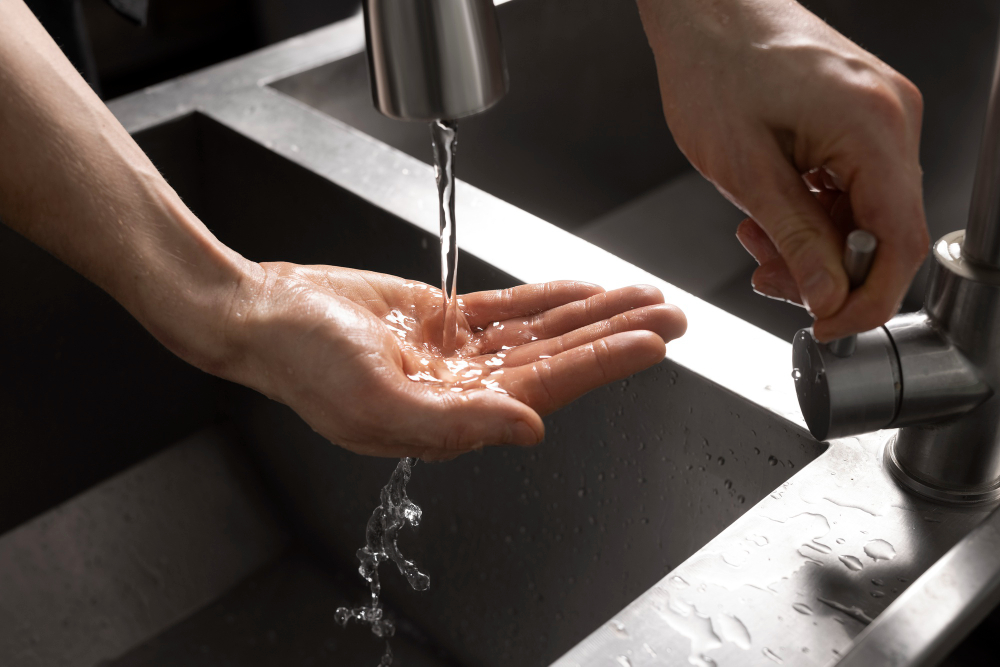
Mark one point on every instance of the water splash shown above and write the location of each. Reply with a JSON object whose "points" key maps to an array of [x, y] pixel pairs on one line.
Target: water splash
{"points": [[880, 550], [394, 512], [444, 138]]}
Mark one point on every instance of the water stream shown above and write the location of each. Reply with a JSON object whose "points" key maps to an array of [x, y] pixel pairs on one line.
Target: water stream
{"points": [[444, 138], [396, 509]]}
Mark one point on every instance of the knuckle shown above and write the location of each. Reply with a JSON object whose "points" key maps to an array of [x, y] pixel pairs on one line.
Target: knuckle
{"points": [[602, 355], [911, 95], [793, 239], [884, 104]]}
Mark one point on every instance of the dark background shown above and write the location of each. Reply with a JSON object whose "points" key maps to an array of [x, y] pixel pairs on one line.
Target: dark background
{"points": [[180, 36]]}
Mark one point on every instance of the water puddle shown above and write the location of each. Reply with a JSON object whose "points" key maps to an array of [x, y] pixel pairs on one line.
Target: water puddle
{"points": [[880, 550], [759, 563], [705, 632]]}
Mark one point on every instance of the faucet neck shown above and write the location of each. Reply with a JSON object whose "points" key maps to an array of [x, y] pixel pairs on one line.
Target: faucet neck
{"points": [[982, 237]]}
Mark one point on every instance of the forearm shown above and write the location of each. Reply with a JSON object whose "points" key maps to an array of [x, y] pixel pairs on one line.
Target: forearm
{"points": [[74, 182]]}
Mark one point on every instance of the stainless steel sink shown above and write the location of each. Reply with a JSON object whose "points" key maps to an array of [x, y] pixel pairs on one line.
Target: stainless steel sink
{"points": [[684, 515]]}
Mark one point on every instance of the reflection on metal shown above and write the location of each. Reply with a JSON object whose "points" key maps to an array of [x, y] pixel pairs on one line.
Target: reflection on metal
{"points": [[859, 254], [434, 59], [741, 598]]}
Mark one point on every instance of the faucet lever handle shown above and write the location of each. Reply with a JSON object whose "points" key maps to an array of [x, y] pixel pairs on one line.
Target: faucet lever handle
{"points": [[859, 252]]}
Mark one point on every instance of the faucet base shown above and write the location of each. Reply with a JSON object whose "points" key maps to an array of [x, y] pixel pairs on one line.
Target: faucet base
{"points": [[952, 496]]}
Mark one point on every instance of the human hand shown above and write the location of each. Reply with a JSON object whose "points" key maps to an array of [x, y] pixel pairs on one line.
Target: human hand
{"points": [[758, 93], [357, 355]]}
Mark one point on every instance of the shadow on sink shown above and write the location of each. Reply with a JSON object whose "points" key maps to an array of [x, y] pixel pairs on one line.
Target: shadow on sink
{"points": [[528, 549]]}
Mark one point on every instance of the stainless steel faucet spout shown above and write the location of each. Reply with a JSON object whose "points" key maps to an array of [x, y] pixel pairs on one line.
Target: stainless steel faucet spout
{"points": [[434, 59]]}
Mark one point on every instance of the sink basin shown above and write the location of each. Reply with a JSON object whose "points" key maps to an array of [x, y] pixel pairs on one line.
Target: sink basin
{"points": [[683, 515]]}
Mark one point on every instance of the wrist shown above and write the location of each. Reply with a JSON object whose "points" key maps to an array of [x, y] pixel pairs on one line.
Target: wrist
{"points": [[189, 288]]}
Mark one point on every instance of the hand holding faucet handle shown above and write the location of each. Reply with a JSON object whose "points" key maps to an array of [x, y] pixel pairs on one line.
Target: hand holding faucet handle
{"points": [[758, 93], [859, 253]]}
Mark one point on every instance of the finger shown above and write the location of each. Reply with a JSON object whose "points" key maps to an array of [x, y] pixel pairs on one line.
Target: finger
{"points": [[665, 320], [801, 231], [756, 241], [482, 308], [568, 317], [887, 201], [549, 384], [773, 279]]}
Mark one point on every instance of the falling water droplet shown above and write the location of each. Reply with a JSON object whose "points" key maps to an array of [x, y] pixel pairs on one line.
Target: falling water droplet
{"points": [[880, 550], [851, 562]]}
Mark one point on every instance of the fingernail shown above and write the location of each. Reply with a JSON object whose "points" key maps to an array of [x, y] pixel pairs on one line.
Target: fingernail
{"points": [[818, 293], [522, 434]]}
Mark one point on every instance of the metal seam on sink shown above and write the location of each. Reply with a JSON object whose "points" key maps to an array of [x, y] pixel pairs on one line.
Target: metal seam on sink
{"points": [[844, 487]]}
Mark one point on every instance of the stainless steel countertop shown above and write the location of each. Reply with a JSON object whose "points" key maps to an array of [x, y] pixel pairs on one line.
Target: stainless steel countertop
{"points": [[794, 580]]}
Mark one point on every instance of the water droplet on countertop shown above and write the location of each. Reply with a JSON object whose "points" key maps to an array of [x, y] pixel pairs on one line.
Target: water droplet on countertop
{"points": [[772, 655], [796, 374], [878, 594], [802, 608], [851, 562], [623, 661], [878, 582], [772, 461], [820, 547], [731, 629], [880, 550], [619, 628]]}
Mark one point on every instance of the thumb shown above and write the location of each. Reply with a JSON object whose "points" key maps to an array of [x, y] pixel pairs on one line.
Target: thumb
{"points": [[802, 232]]}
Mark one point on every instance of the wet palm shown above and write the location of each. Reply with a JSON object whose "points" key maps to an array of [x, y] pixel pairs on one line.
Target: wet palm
{"points": [[358, 355]]}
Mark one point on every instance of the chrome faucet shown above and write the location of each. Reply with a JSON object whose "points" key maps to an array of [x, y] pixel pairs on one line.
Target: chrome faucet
{"points": [[933, 374], [434, 59]]}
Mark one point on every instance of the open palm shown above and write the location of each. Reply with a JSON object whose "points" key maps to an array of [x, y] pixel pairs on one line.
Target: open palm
{"points": [[358, 355]]}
